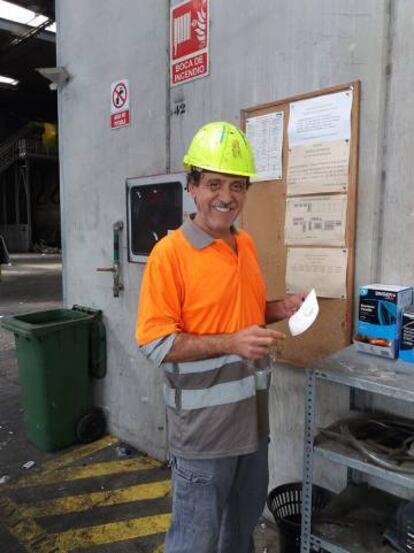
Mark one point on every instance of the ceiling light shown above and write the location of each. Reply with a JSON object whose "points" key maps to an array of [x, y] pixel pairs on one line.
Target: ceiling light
{"points": [[8, 80], [15, 13]]}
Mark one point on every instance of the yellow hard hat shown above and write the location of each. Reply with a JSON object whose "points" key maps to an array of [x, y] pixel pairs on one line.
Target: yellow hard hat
{"points": [[221, 147]]}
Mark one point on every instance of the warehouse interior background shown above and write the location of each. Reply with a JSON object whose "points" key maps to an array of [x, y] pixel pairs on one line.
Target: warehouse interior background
{"points": [[29, 176]]}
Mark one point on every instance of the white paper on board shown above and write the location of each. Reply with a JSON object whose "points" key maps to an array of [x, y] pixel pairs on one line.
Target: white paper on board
{"points": [[318, 167], [305, 316], [316, 220], [321, 268], [265, 133], [320, 119]]}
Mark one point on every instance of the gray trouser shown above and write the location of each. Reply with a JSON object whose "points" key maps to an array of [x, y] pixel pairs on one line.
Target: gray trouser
{"points": [[217, 503]]}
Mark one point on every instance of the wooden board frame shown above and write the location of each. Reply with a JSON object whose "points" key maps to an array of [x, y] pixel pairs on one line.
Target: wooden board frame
{"points": [[264, 218]]}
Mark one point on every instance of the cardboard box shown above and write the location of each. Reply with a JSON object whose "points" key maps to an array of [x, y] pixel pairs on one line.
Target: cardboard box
{"points": [[363, 344], [407, 335], [379, 323]]}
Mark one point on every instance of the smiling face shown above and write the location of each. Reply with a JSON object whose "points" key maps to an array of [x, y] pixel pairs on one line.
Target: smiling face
{"points": [[219, 199]]}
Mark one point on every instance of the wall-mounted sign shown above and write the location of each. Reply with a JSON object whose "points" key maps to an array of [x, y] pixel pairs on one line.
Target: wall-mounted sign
{"points": [[120, 104], [189, 38]]}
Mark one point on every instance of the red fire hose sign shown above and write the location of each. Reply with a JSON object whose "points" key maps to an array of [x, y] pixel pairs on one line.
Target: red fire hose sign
{"points": [[189, 38], [120, 104]]}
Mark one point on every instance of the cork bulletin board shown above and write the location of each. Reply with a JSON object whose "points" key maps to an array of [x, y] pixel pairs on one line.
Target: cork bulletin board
{"points": [[264, 217]]}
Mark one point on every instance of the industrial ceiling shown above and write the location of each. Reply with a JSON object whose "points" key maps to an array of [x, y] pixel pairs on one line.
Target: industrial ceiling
{"points": [[22, 50]]}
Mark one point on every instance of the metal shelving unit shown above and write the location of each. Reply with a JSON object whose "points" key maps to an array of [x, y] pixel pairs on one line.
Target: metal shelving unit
{"points": [[391, 378]]}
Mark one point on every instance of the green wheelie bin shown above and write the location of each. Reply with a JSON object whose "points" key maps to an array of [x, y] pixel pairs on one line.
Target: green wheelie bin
{"points": [[59, 352]]}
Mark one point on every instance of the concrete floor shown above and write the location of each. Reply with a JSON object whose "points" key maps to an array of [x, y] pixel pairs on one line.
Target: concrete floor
{"points": [[85, 495]]}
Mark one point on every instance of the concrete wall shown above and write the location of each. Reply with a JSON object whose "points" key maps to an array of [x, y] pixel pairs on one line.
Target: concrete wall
{"points": [[100, 42], [260, 52]]}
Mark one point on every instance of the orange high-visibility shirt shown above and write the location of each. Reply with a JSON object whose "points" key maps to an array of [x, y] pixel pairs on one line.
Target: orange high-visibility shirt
{"points": [[196, 284]]}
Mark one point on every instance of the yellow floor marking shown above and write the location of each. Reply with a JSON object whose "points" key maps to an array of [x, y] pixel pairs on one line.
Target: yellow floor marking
{"points": [[64, 460], [76, 454], [33, 538], [84, 502], [112, 532], [89, 471]]}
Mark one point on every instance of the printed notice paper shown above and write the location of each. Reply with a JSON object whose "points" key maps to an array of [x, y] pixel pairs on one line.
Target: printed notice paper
{"points": [[319, 167], [321, 268], [265, 133], [316, 220], [322, 119]]}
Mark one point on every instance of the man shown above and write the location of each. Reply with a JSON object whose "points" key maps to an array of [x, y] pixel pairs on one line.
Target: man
{"points": [[201, 315]]}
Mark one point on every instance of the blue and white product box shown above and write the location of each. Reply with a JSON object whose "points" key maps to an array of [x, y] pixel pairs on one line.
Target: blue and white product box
{"points": [[407, 335], [380, 310]]}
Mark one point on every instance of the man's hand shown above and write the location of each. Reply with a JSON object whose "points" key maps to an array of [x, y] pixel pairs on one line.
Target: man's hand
{"points": [[283, 309], [291, 304], [253, 342]]}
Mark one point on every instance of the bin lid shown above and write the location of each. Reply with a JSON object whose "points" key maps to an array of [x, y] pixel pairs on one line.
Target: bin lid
{"points": [[45, 322]]}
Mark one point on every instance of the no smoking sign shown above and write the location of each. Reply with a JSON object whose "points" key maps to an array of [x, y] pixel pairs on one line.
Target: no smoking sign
{"points": [[120, 104]]}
